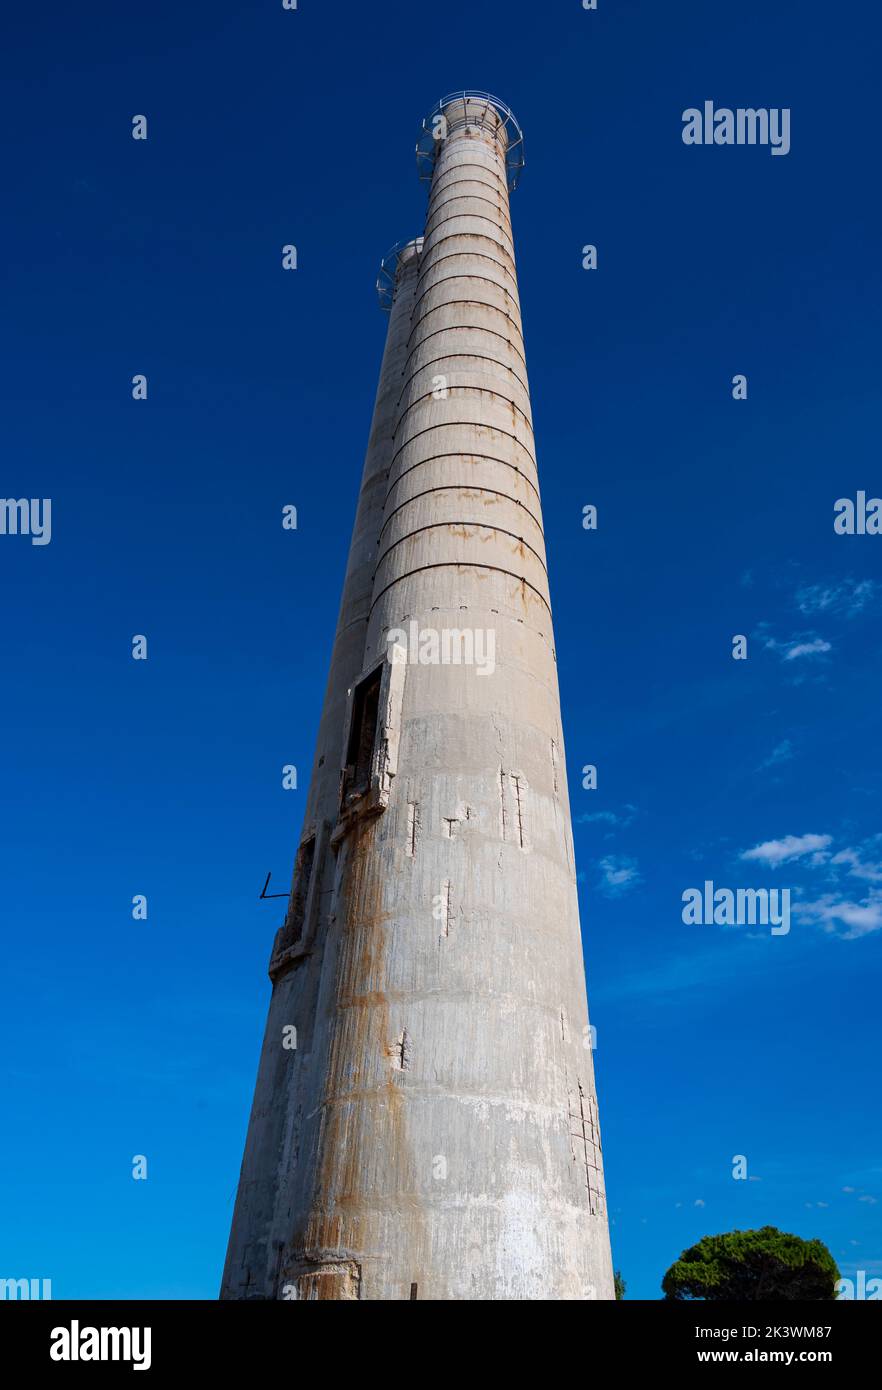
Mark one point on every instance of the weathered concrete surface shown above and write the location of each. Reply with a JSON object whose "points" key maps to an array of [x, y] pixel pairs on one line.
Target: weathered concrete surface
{"points": [[435, 1133]]}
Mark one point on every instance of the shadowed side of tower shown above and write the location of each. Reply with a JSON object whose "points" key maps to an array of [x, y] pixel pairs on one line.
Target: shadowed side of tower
{"points": [[435, 1133], [286, 1110]]}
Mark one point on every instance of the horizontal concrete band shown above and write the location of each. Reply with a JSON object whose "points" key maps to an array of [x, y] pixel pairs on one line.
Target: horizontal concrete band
{"points": [[468, 170], [481, 146], [488, 492], [471, 387], [485, 254], [467, 473], [462, 165], [468, 335], [457, 154], [467, 224], [443, 573], [473, 380], [455, 482], [482, 199], [468, 187], [506, 1018], [481, 893], [466, 174], [456, 1091], [458, 432], [445, 441], [517, 580], [472, 491], [469, 163], [465, 241], [499, 362], [464, 368], [464, 287], [464, 276], [532, 1110], [462, 530], [439, 268], [477, 308], [467, 205], [472, 241], [479, 463], [475, 114]]}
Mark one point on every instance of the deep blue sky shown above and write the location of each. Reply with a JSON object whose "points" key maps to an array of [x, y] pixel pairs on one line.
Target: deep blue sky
{"points": [[164, 777]]}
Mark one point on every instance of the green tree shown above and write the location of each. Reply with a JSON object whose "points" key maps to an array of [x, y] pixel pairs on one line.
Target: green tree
{"points": [[767, 1265], [620, 1284]]}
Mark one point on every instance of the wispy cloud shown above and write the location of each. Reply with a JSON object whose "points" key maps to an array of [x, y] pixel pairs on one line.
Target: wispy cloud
{"points": [[858, 862], [871, 872], [847, 597], [618, 874], [784, 851], [812, 648], [841, 916], [781, 753], [800, 645], [834, 912], [617, 818]]}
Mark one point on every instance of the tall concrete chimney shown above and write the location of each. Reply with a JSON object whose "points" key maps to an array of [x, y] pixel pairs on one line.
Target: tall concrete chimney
{"points": [[425, 1123]]}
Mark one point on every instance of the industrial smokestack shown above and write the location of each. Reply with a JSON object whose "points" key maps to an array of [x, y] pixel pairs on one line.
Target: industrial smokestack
{"points": [[434, 1133]]}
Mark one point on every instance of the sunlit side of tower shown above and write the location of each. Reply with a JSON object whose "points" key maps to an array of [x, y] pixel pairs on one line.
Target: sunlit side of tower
{"points": [[434, 1133]]}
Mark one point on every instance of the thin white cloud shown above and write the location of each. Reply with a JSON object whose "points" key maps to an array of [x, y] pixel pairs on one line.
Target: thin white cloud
{"points": [[834, 912], [617, 818], [784, 851], [807, 649], [781, 753], [843, 917], [805, 644], [859, 868], [848, 597], [618, 874]]}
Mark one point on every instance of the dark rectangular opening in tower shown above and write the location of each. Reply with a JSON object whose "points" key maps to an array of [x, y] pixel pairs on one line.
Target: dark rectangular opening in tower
{"points": [[300, 891], [362, 736]]}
